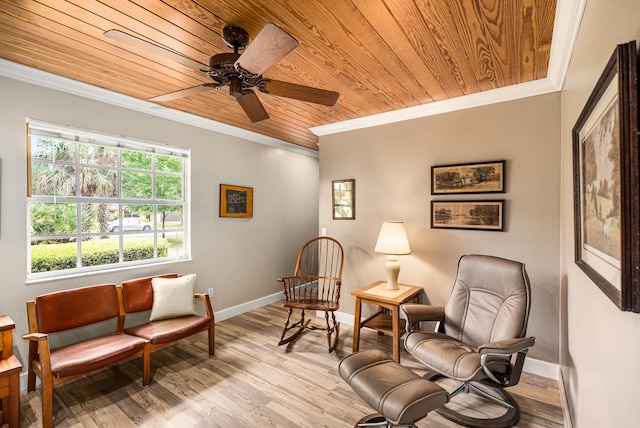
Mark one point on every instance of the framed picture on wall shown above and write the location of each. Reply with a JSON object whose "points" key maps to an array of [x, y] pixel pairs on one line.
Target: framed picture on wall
{"points": [[344, 199], [606, 182], [236, 201], [485, 177], [478, 215]]}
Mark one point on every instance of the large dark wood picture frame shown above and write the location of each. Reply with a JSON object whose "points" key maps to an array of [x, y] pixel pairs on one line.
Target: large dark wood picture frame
{"points": [[236, 201], [606, 182]]}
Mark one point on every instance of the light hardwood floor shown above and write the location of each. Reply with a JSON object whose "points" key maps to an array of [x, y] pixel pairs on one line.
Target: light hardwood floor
{"points": [[250, 382]]}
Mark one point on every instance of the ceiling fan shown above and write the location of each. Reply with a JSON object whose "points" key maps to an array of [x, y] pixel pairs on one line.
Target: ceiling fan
{"points": [[242, 73]]}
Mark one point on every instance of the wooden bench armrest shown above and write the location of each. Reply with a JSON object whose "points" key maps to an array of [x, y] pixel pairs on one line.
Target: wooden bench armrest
{"points": [[36, 337], [207, 303]]}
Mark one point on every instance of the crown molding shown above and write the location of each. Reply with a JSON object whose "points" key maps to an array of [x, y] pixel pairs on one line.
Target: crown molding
{"points": [[566, 25], [48, 80]]}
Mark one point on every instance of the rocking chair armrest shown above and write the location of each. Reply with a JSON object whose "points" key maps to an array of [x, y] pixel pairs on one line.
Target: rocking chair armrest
{"points": [[292, 279], [414, 313], [508, 346]]}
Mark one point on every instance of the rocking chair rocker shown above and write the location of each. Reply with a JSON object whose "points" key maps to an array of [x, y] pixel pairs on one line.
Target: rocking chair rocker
{"points": [[314, 286]]}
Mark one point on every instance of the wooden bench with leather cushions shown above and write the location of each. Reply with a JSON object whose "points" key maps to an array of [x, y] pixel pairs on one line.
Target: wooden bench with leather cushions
{"points": [[97, 305]]}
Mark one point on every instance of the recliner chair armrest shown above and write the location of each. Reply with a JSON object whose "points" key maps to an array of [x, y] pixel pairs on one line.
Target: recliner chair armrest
{"points": [[507, 347], [414, 313]]}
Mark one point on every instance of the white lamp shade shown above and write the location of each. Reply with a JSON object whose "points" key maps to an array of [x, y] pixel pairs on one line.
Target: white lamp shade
{"points": [[393, 239]]}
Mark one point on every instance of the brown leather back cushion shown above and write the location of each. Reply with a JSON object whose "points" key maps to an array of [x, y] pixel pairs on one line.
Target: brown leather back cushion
{"points": [[138, 293], [64, 310]]}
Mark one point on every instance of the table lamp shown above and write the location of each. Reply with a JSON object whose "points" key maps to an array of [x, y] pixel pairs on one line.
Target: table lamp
{"points": [[392, 240]]}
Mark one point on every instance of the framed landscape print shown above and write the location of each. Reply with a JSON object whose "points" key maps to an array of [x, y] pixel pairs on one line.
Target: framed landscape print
{"points": [[485, 177], [479, 215], [605, 180], [236, 201]]}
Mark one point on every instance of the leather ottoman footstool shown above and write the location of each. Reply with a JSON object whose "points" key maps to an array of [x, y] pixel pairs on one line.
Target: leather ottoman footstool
{"points": [[400, 396]]}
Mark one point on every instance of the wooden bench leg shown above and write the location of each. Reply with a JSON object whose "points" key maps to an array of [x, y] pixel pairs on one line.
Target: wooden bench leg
{"points": [[212, 336], [14, 401], [146, 365], [47, 401], [5, 409]]}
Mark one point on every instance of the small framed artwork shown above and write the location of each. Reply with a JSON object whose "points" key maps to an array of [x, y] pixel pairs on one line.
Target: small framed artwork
{"points": [[606, 182], [236, 201], [344, 199], [485, 177], [478, 215]]}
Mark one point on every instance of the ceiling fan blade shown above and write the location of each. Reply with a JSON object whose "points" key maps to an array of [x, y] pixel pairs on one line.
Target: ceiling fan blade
{"points": [[268, 47], [251, 105], [298, 92], [121, 36], [184, 93]]}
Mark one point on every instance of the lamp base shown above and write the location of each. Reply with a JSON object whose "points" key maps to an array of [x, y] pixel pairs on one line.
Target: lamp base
{"points": [[392, 267]]}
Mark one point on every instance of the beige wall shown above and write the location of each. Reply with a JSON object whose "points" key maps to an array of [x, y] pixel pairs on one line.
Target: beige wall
{"points": [[391, 165], [239, 258], [600, 346]]}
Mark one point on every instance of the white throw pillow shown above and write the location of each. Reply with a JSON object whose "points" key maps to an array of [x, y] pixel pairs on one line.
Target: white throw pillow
{"points": [[173, 297]]}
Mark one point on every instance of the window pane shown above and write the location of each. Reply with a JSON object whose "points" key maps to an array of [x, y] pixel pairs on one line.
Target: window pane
{"points": [[168, 187], [170, 216], [168, 163], [136, 160], [175, 241], [52, 219], [141, 248], [53, 149], [100, 183], [97, 252], [98, 155], [131, 222], [136, 185], [53, 179], [49, 257], [95, 217]]}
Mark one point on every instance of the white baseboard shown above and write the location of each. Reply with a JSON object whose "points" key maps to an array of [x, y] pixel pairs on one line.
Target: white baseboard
{"points": [[568, 423], [248, 306], [541, 368]]}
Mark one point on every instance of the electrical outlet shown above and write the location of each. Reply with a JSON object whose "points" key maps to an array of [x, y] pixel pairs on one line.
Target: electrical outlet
{"points": [[210, 292], [324, 231]]}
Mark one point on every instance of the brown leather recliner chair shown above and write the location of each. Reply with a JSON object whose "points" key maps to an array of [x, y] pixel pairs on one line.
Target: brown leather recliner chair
{"points": [[480, 336]]}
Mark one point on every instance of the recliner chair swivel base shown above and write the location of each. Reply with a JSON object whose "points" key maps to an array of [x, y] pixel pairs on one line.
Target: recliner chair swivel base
{"points": [[499, 396]]}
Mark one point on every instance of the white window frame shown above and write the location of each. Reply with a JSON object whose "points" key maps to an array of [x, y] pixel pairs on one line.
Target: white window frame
{"points": [[40, 129]]}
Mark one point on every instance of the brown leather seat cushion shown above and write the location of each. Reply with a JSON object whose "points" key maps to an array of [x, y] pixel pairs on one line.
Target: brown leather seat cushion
{"points": [[93, 354], [392, 390], [165, 331]]}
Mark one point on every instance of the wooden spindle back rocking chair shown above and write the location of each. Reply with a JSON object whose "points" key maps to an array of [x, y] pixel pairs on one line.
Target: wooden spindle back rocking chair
{"points": [[314, 286]]}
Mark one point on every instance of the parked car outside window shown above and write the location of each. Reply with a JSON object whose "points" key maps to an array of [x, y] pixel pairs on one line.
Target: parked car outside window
{"points": [[128, 223]]}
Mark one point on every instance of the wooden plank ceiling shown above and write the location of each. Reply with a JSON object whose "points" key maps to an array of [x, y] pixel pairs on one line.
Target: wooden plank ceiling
{"points": [[380, 55]]}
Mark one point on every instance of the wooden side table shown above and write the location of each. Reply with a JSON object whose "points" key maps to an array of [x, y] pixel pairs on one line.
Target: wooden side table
{"points": [[377, 294], [10, 369]]}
